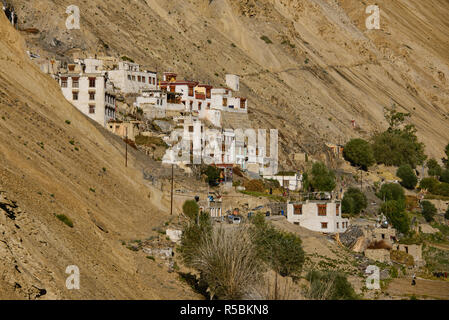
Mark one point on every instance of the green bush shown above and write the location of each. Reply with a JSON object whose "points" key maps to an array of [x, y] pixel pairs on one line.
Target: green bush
{"points": [[446, 151], [192, 236], [329, 285], [212, 173], [266, 39], [444, 177], [446, 215], [428, 210], [354, 201], [391, 191], [191, 209], [408, 177], [441, 189], [255, 185], [321, 178], [65, 219], [281, 251], [434, 168], [428, 184], [359, 153], [396, 215]]}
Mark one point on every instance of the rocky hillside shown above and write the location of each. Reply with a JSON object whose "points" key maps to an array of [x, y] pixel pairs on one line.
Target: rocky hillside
{"points": [[54, 161], [309, 67]]}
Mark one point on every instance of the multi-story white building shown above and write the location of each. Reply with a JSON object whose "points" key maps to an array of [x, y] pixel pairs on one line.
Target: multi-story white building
{"points": [[90, 92], [130, 79], [318, 215]]}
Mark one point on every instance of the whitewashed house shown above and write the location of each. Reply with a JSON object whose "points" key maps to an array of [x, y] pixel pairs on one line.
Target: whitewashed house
{"points": [[130, 79], [318, 215], [90, 92], [293, 182]]}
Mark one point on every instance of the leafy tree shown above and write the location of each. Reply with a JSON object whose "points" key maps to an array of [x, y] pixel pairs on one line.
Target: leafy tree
{"points": [[281, 251], [395, 214], [191, 209], [435, 169], [446, 214], [408, 177], [395, 118], [329, 285], [444, 177], [441, 189], [322, 179], [428, 184], [391, 191], [359, 153], [354, 201], [446, 151], [428, 210], [212, 173]]}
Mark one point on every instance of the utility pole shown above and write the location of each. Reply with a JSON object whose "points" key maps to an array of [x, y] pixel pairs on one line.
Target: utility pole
{"points": [[171, 197], [126, 147]]}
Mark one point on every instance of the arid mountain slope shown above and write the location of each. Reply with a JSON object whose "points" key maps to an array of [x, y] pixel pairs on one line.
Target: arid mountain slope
{"points": [[321, 70], [49, 166]]}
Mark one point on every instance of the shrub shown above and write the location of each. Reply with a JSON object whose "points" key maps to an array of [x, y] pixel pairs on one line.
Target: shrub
{"points": [[266, 39], [359, 153], [212, 173], [255, 185], [191, 209], [144, 140], [328, 285], [322, 179], [391, 191], [446, 151], [354, 201], [408, 177], [441, 189], [65, 219], [227, 262], [402, 257], [428, 184], [125, 58], [192, 235], [444, 177], [446, 215], [395, 214], [281, 251], [428, 210], [434, 168]]}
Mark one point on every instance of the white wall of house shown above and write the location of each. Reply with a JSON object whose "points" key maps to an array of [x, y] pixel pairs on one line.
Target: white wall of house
{"points": [[94, 101], [129, 79], [309, 216], [293, 183], [233, 82]]}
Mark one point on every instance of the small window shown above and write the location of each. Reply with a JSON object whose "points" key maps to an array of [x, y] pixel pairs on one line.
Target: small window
{"points": [[225, 102], [337, 209], [129, 77], [323, 225], [92, 82], [190, 128], [338, 225], [144, 79], [64, 82], [75, 82], [91, 108], [322, 210], [91, 95], [297, 209], [190, 91], [75, 95], [139, 79], [297, 223]]}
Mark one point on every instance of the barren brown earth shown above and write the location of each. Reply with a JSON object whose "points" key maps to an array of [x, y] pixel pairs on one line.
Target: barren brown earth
{"points": [[317, 69], [54, 161]]}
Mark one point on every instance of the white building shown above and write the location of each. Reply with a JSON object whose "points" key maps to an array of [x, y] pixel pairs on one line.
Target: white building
{"points": [[318, 215], [223, 100], [91, 93], [292, 182], [130, 79]]}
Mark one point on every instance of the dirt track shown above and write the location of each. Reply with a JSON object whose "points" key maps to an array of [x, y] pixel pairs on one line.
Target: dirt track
{"points": [[424, 288]]}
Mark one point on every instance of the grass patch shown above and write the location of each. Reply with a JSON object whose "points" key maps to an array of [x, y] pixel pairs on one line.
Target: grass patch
{"points": [[151, 258], [266, 39], [262, 194], [67, 122], [144, 140], [65, 219]]}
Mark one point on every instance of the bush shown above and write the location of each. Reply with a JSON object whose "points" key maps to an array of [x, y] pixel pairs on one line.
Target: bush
{"points": [[65, 219], [281, 251], [444, 177], [434, 168], [428, 184], [255, 185], [322, 179], [395, 214], [354, 201], [441, 189], [144, 140], [446, 151], [359, 153], [192, 236], [391, 191], [212, 173], [408, 177], [191, 209], [266, 39], [329, 285], [446, 215], [227, 261], [428, 210]]}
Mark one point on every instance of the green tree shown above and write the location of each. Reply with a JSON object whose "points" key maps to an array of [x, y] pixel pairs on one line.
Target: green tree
{"points": [[446, 151], [391, 191], [359, 153], [190, 209], [212, 173], [395, 214], [428, 210], [408, 177], [444, 177], [428, 184], [354, 201], [446, 214], [281, 251], [395, 118], [435, 169], [322, 179]]}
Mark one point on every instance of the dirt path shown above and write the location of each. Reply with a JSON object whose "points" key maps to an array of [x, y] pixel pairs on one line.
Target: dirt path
{"points": [[429, 288]]}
